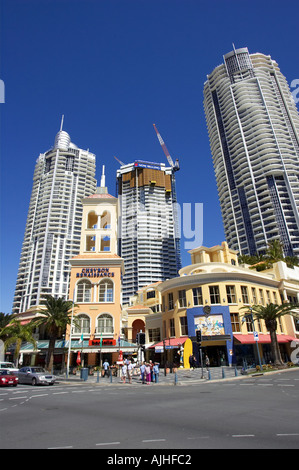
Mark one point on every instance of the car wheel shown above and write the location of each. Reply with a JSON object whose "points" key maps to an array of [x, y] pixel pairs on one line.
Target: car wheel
{"points": [[34, 382]]}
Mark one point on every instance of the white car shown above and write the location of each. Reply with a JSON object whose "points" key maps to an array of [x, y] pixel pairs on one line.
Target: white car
{"points": [[8, 366]]}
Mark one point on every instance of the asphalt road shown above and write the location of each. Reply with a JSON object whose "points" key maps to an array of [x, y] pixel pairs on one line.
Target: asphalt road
{"points": [[250, 413]]}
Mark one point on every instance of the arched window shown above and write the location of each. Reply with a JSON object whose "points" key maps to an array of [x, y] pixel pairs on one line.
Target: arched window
{"points": [[106, 220], [92, 220], [82, 324], [83, 291], [106, 291], [105, 324]]}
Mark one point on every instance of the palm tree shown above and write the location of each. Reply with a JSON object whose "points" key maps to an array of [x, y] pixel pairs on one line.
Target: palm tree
{"points": [[55, 317], [5, 319], [270, 314], [274, 251], [16, 333]]}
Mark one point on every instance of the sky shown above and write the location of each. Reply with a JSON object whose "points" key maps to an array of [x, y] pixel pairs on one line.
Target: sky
{"points": [[113, 68]]}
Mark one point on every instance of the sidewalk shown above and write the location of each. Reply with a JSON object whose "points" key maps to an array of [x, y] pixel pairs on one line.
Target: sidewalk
{"points": [[182, 377]]}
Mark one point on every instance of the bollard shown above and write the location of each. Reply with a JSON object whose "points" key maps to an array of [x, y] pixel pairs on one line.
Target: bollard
{"points": [[209, 374], [236, 372], [111, 377], [175, 378], [98, 376], [223, 373]]}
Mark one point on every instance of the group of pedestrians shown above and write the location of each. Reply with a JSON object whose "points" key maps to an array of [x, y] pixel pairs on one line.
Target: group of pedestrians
{"points": [[149, 372]]}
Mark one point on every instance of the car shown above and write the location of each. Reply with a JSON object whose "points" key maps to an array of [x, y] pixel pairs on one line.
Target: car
{"points": [[35, 376], [8, 366], [8, 378]]}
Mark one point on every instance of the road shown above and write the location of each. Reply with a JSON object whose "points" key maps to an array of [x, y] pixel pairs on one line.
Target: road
{"points": [[250, 413]]}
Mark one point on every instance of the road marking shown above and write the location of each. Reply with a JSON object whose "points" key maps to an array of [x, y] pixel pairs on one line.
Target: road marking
{"points": [[17, 398], [41, 395], [63, 447], [290, 434], [60, 393], [285, 385], [243, 435], [107, 443], [3, 409], [154, 440]]}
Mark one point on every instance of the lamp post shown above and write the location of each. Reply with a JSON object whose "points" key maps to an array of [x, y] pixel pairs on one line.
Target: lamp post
{"points": [[70, 337]]}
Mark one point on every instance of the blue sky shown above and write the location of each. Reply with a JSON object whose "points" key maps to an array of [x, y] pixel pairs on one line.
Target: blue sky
{"points": [[113, 68]]}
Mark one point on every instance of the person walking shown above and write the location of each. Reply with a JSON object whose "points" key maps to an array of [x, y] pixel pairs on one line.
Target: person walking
{"points": [[207, 363], [142, 372], [191, 362], [148, 374], [156, 372], [130, 368], [106, 368], [124, 369]]}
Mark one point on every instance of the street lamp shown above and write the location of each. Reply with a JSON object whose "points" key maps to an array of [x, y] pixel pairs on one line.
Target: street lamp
{"points": [[70, 337]]}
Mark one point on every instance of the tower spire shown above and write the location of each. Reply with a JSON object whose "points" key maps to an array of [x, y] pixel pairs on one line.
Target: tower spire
{"points": [[61, 124]]}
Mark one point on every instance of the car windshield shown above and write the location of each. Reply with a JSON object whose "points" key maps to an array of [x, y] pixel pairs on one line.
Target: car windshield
{"points": [[5, 372], [37, 369], [7, 365]]}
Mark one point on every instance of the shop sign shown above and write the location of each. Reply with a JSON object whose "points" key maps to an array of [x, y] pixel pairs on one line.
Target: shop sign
{"points": [[105, 342], [95, 272], [159, 349]]}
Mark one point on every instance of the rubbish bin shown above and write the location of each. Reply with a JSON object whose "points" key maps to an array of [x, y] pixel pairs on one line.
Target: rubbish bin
{"points": [[84, 373]]}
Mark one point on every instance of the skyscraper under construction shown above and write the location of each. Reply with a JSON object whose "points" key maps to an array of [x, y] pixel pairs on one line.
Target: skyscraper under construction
{"points": [[253, 126], [148, 235], [63, 176]]}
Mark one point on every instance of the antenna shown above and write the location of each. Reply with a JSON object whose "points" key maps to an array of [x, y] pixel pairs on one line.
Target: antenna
{"points": [[119, 161], [62, 119], [103, 177]]}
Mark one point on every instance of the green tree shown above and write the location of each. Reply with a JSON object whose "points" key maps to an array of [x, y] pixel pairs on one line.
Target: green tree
{"points": [[16, 333], [5, 319], [270, 314], [55, 317]]}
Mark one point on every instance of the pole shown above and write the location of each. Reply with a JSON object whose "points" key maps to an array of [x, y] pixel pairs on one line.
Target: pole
{"points": [[256, 341], [70, 338], [201, 362]]}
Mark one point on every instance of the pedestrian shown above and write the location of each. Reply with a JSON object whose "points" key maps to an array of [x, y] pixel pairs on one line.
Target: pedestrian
{"points": [[156, 372], [152, 370], [106, 368], [148, 374], [130, 368], [194, 362], [207, 362], [142, 371], [124, 369]]}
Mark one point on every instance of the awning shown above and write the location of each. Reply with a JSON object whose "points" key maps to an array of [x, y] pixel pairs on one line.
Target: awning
{"points": [[263, 339], [174, 342]]}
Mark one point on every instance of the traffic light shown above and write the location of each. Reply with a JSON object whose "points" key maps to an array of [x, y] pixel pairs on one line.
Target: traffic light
{"points": [[140, 339], [198, 336]]}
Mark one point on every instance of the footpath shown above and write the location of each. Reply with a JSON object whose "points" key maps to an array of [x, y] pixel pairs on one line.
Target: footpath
{"points": [[181, 377]]}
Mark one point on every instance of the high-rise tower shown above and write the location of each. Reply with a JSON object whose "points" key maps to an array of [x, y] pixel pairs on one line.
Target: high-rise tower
{"points": [[147, 237], [253, 126], [63, 176]]}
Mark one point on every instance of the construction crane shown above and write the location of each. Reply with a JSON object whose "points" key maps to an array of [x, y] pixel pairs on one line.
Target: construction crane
{"points": [[119, 160], [175, 165]]}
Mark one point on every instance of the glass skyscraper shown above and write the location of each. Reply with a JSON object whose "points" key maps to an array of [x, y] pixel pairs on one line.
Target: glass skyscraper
{"points": [[253, 127], [63, 176]]}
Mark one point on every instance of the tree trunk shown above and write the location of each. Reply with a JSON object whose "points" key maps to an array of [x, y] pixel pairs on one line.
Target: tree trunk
{"points": [[50, 355], [275, 348]]}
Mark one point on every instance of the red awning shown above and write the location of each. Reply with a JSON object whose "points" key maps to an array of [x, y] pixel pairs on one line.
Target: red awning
{"points": [[263, 339], [175, 342]]}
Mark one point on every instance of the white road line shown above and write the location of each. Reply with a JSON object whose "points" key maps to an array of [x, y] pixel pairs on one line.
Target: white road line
{"points": [[154, 440], [243, 435], [107, 443], [60, 393], [285, 385], [41, 395], [3, 409], [290, 434], [63, 447], [17, 398]]}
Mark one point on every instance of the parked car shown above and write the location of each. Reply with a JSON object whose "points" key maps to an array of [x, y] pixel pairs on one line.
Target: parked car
{"points": [[8, 378], [35, 376], [8, 366]]}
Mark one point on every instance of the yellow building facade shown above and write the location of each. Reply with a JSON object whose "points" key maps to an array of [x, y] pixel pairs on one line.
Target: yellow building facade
{"points": [[210, 295]]}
